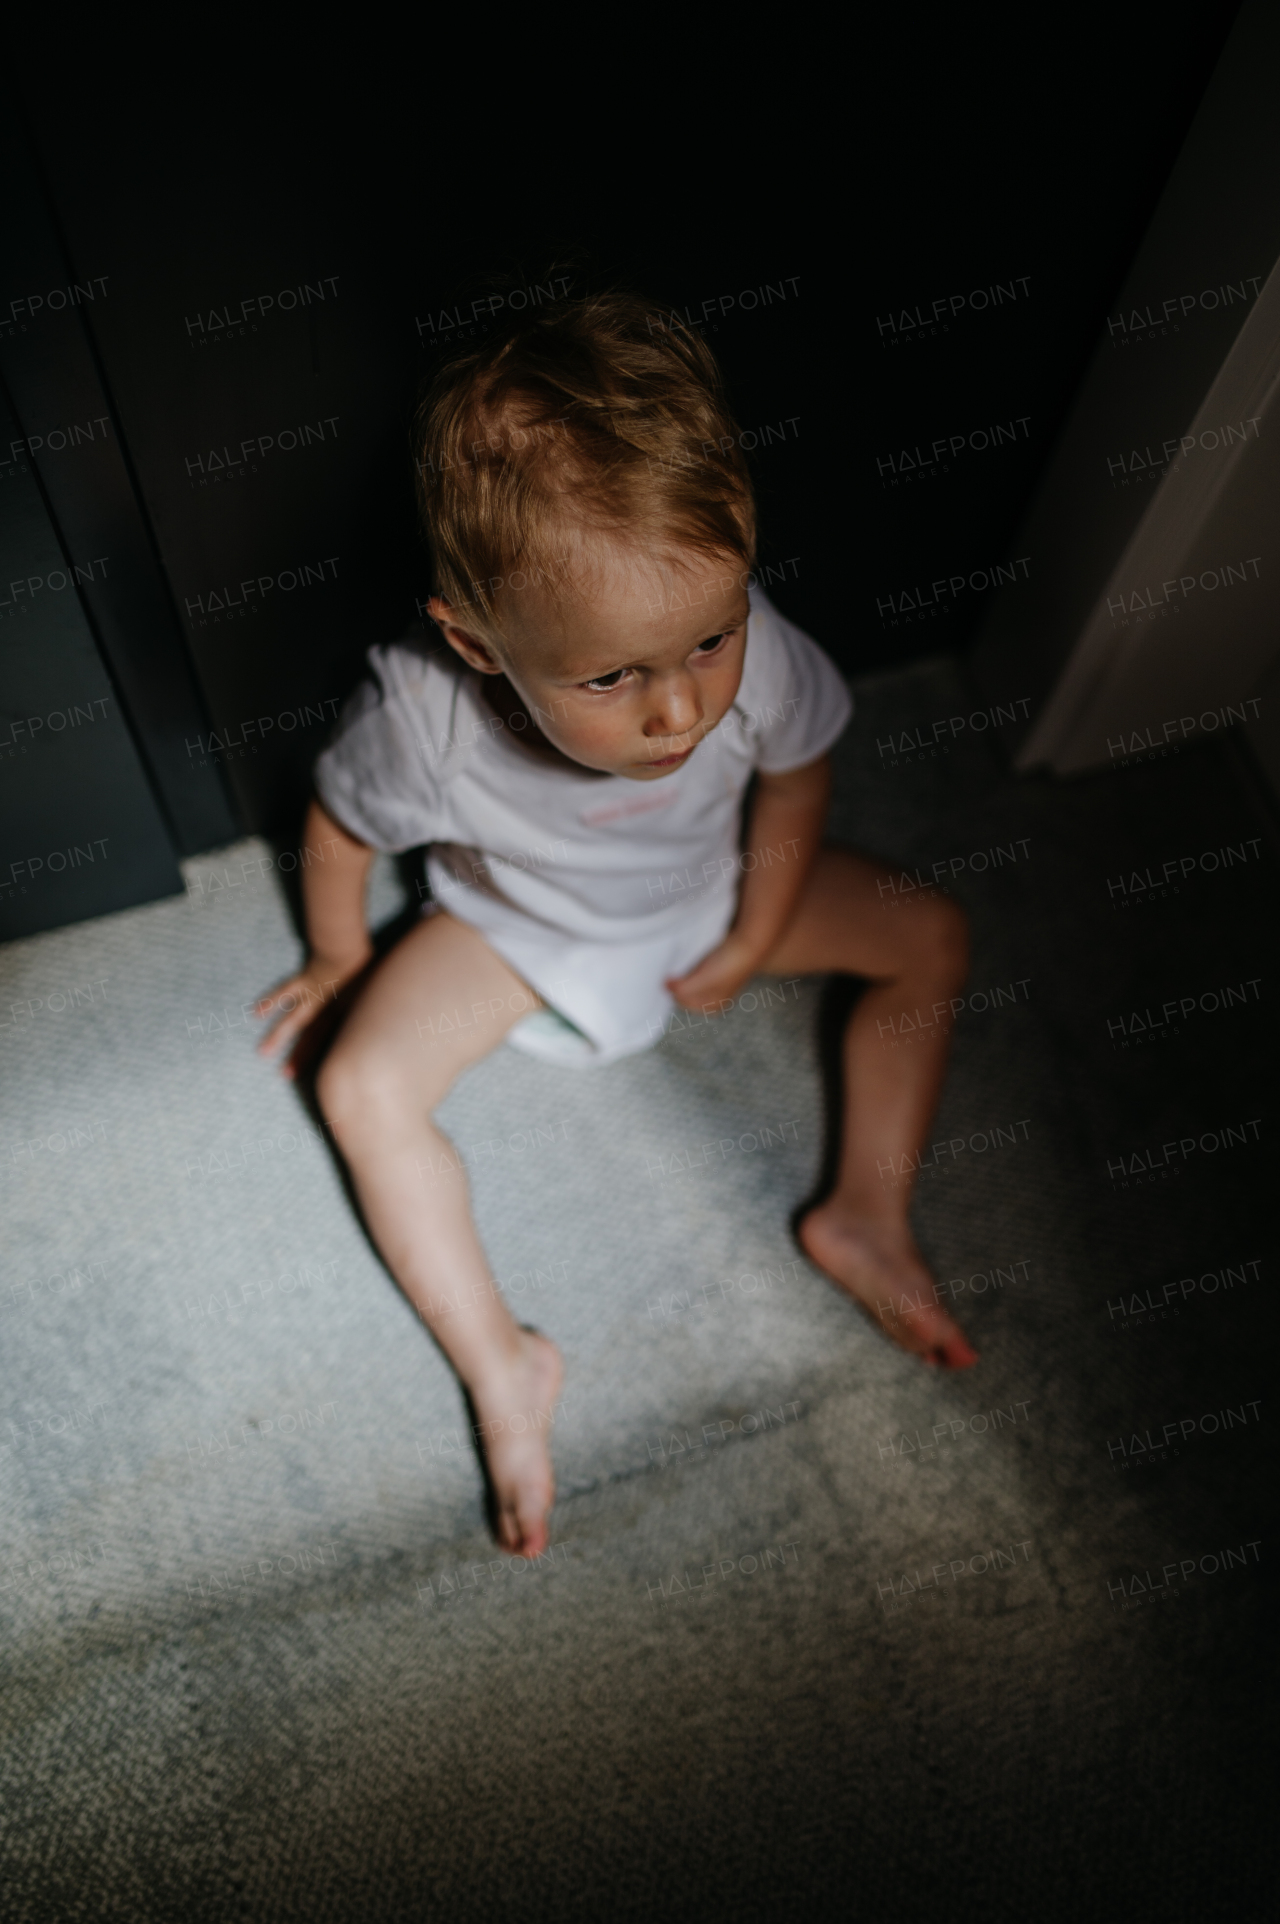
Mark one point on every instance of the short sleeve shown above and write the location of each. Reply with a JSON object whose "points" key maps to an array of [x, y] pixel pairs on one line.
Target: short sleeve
{"points": [[378, 776], [793, 699]]}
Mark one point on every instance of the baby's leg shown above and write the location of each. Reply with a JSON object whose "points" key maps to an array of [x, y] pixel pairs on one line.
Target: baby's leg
{"points": [[916, 958], [441, 1000]]}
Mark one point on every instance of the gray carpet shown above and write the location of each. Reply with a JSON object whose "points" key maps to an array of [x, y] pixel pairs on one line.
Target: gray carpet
{"points": [[261, 1659]]}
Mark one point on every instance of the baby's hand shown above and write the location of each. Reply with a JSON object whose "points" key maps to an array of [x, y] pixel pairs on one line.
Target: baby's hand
{"points": [[298, 1001], [712, 985]]}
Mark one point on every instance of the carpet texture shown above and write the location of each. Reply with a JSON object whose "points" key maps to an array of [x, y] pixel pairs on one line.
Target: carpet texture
{"points": [[821, 1633]]}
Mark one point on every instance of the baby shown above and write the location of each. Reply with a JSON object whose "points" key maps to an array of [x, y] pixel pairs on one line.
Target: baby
{"points": [[611, 690]]}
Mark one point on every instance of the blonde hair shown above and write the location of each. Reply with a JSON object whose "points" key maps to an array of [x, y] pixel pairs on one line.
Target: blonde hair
{"points": [[596, 416]]}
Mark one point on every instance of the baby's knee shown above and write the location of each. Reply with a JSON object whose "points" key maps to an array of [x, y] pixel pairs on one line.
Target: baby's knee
{"points": [[355, 1086]]}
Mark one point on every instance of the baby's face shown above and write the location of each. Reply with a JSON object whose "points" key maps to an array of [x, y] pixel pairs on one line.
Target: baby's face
{"points": [[630, 674]]}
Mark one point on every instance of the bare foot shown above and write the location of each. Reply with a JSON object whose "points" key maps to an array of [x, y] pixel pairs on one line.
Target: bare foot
{"points": [[513, 1417], [881, 1268]]}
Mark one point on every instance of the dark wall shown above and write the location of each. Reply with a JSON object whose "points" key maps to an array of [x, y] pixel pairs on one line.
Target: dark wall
{"points": [[1187, 296], [278, 234], [80, 832], [1014, 169]]}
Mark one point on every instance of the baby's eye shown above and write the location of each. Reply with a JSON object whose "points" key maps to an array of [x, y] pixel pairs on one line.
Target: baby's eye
{"points": [[708, 647], [603, 683]]}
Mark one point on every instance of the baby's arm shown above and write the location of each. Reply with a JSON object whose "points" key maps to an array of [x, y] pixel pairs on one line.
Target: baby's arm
{"points": [[783, 835], [337, 932]]}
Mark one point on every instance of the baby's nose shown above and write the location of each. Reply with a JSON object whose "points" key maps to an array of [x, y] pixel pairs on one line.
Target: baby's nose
{"points": [[677, 710]]}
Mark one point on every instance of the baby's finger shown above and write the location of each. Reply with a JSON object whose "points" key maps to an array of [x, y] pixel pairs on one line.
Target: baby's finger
{"points": [[270, 1044], [273, 1002], [695, 993], [283, 1032]]}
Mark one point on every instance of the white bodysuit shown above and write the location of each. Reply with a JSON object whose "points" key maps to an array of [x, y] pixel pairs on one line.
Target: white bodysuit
{"points": [[593, 887]]}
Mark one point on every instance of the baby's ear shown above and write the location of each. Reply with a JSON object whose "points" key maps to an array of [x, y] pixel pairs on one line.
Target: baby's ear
{"points": [[475, 651]]}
